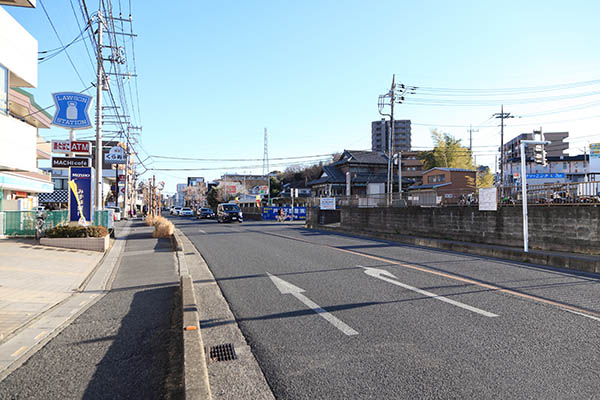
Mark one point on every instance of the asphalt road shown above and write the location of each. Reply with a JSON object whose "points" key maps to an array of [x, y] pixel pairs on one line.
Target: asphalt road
{"points": [[126, 346], [378, 320]]}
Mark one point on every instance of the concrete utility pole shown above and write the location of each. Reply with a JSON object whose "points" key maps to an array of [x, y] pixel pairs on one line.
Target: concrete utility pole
{"points": [[502, 115], [524, 189], [400, 174], [99, 83]]}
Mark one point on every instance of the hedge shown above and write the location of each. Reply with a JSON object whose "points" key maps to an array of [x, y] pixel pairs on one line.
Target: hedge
{"points": [[66, 231]]}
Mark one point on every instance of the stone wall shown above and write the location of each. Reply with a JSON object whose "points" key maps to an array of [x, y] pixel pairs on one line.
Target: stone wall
{"points": [[565, 228]]}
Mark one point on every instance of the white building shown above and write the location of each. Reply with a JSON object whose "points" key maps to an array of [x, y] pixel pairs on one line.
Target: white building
{"points": [[20, 117]]}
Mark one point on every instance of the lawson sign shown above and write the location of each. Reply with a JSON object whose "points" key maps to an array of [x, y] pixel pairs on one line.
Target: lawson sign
{"points": [[72, 110]]}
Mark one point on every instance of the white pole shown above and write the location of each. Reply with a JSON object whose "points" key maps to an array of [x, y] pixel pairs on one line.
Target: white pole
{"points": [[524, 194]]}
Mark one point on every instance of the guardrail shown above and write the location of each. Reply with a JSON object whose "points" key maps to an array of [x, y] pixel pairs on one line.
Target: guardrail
{"points": [[555, 194]]}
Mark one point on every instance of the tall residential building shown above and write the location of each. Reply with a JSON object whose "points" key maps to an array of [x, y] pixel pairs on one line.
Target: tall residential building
{"points": [[380, 135]]}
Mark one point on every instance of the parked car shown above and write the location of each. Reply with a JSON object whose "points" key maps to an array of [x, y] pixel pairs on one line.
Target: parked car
{"points": [[205, 213], [227, 212], [186, 212], [175, 210], [116, 213]]}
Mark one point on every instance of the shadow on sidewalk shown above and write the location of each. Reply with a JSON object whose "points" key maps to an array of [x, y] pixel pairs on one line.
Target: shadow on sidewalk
{"points": [[144, 360]]}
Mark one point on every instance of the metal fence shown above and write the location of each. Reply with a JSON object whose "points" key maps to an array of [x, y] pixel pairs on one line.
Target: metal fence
{"points": [[555, 194], [22, 223]]}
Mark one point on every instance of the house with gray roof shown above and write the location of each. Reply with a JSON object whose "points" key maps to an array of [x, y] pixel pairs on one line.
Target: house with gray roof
{"points": [[367, 173]]}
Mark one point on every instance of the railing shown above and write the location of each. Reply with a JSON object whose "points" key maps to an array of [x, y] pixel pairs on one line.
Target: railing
{"points": [[555, 194], [22, 223]]}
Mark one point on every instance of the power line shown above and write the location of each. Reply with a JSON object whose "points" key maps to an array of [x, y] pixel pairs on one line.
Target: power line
{"points": [[61, 42]]}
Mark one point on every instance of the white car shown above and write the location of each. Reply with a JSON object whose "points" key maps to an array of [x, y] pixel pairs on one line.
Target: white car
{"points": [[117, 212], [186, 212], [175, 210]]}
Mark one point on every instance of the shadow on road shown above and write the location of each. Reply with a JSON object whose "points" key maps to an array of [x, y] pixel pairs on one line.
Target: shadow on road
{"points": [[144, 359]]}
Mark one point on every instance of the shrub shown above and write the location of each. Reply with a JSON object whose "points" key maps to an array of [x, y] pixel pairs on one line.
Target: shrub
{"points": [[66, 231], [150, 220], [163, 228]]}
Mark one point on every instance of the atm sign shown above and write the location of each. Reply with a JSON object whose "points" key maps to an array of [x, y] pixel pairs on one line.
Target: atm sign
{"points": [[71, 146]]}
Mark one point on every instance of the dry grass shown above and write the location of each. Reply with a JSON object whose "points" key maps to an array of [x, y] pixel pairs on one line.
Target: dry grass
{"points": [[163, 228], [150, 220]]}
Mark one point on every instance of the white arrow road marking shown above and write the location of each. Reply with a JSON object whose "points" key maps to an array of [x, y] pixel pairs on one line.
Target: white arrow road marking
{"points": [[287, 288], [389, 277]]}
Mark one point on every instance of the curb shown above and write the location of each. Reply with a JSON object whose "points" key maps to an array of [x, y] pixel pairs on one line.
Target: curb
{"points": [[195, 370], [579, 263]]}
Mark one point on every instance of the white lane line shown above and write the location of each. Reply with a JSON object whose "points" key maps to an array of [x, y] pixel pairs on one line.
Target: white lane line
{"points": [[201, 231], [582, 314], [390, 278], [19, 351], [287, 288], [38, 337]]}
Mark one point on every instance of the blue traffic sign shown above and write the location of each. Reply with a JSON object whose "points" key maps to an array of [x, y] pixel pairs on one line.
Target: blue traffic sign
{"points": [[72, 110]]}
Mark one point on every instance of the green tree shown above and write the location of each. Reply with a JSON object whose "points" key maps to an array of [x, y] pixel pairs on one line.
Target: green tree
{"points": [[213, 198], [276, 187], [449, 153]]}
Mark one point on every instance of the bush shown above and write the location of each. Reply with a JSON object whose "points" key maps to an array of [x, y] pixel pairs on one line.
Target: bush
{"points": [[66, 231], [150, 220], [163, 228]]}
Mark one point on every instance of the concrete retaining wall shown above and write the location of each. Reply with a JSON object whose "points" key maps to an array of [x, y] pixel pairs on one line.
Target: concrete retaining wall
{"points": [[566, 228]]}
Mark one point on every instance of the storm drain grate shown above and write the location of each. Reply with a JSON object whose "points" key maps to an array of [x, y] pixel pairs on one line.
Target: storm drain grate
{"points": [[222, 352]]}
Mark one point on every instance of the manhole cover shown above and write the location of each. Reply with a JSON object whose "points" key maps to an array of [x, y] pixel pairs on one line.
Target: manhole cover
{"points": [[222, 352]]}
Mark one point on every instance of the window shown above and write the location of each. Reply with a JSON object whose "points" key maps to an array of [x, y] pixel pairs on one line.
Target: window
{"points": [[3, 90], [436, 178]]}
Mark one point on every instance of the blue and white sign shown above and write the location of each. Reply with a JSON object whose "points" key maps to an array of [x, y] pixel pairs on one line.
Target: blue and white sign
{"points": [[546, 176], [72, 110], [80, 207], [271, 213]]}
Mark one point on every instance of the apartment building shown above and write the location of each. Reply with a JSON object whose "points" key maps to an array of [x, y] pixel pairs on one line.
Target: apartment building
{"points": [[380, 135]]}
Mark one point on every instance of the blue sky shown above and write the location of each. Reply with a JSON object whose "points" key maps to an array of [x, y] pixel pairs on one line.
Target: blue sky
{"points": [[213, 75]]}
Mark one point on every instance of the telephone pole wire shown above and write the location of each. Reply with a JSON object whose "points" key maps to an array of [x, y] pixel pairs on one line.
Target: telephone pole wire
{"points": [[502, 115]]}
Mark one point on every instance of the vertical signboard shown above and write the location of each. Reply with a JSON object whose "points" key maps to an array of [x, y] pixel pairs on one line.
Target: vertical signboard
{"points": [[595, 158], [80, 195], [488, 199]]}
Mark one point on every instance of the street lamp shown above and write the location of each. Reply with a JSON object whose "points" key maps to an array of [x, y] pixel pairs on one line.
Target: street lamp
{"points": [[524, 189]]}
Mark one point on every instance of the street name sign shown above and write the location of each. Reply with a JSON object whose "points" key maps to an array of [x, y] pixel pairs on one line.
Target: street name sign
{"points": [[72, 110], [66, 162], [116, 155]]}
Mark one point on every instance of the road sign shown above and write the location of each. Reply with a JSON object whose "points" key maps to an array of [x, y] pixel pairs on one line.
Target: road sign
{"points": [[66, 162], [72, 110], [116, 155], [71, 146]]}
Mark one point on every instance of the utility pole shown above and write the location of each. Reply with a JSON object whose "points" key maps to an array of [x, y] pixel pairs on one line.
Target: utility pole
{"points": [[400, 174], [99, 84], [266, 167], [389, 99], [502, 115], [154, 195], [471, 130]]}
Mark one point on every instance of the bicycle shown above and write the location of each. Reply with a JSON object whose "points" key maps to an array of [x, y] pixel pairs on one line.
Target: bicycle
{"points": [[40, 224]]}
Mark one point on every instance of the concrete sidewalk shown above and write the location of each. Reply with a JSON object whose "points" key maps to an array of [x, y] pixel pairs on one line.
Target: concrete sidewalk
{"points": [[35, 278]]}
